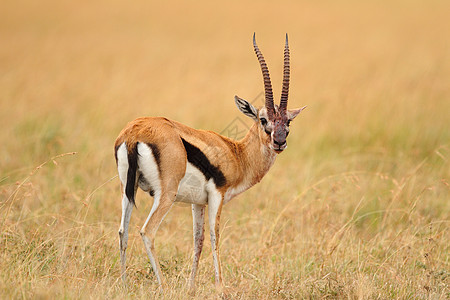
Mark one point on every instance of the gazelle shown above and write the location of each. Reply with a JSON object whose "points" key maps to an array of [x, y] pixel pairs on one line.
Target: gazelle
{"points": [[173, 162]]}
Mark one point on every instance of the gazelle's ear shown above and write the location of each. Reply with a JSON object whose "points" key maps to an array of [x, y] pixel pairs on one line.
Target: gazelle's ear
{"points": [[292, 113], [247, 108]]}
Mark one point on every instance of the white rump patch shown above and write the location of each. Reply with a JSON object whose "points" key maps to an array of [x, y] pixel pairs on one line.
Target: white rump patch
{"points": [[149, 169], [122, 164]]}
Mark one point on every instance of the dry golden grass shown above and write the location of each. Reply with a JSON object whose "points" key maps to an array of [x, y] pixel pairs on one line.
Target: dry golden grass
{"points": [[357, 207]]}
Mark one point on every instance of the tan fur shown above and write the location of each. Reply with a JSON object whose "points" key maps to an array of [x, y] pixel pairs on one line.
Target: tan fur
{"points": [[238, 160]]}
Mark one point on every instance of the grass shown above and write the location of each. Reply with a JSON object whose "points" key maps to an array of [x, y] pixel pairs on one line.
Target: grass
{"points": [[357, 206]]}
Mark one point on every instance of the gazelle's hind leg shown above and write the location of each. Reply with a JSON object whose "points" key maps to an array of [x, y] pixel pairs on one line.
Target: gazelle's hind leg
{"points": [[164, 186], [198, 218], [127, 208], [160, 208]]}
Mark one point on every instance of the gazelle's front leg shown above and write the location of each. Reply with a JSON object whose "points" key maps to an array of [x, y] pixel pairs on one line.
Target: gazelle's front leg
{"points": [[215, 201], [198, 218]]}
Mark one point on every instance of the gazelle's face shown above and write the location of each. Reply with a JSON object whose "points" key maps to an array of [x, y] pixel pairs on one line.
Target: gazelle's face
{"points": [[277, 129], [273, 132]]}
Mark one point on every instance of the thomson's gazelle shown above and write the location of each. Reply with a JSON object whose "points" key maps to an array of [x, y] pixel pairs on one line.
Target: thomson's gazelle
{"points": [[173, 162]]}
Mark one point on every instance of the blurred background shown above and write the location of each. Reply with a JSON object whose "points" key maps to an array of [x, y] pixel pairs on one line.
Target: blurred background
{"points": [[357, 206]]}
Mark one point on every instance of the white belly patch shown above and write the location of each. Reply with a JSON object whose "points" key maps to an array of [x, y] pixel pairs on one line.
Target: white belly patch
{"points": [[192, 188]]}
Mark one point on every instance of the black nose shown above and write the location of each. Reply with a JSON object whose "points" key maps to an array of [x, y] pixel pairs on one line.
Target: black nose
{"points": [[279, 143]]}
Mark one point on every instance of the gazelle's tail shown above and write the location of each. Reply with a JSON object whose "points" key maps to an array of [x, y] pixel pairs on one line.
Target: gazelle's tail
{"points": [[130, 187]]}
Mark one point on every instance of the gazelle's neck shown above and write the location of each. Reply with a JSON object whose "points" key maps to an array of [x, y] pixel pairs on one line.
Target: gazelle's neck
{"points": [[257, 157]]}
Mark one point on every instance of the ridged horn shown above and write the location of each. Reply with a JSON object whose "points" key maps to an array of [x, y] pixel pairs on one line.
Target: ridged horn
{"points": [[286, 75], [267, 82]]}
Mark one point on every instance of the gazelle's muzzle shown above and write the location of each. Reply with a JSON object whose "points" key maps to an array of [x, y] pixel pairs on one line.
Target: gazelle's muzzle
{"points": [[279, 136]]}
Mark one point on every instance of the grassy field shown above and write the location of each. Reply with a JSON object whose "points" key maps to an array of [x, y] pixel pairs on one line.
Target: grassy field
{"points": [[357, 207]]}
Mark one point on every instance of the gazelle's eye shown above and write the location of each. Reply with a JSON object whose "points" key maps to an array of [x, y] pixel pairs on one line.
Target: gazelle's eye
{"points": [[263, 121]]}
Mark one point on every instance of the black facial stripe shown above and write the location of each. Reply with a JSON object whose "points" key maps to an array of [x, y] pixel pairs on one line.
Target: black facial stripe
{"points": [[196, 157]]}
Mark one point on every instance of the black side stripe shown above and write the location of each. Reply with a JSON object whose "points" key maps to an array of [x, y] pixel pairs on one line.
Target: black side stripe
{"points": [[196, 157], [131, 175]]}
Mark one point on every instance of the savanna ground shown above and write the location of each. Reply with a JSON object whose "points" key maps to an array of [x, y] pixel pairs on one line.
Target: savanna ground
{"points": [[356, 207]]}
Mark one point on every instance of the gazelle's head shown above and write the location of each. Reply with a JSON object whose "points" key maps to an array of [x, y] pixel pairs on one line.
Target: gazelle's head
{"points": [[273, 120]]}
